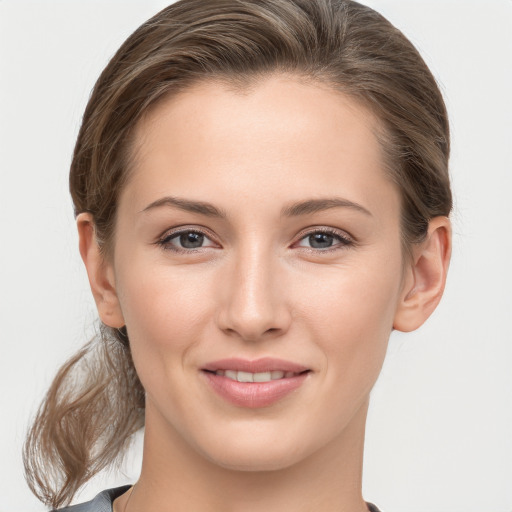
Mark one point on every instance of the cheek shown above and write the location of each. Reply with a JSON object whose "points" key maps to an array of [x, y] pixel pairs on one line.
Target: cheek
{"points": [[164, 310], [166, 315], [352, 320]]}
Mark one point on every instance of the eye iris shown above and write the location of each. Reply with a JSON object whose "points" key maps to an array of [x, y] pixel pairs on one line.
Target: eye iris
{"points": [[321, 240], [191, 240]]}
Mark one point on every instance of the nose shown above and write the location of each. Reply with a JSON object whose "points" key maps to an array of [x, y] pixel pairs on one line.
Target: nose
{"points": [[253, 304]]}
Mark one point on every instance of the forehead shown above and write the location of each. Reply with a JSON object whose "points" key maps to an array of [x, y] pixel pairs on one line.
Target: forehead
{"points": [[280, 134]]}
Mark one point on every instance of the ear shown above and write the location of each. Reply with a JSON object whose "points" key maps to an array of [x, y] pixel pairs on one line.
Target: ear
{"points": [[425, 278], [100, 272]]}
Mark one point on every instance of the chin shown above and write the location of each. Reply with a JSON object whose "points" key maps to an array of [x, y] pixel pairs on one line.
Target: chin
{"points": [[255, 460], [257, 451]]}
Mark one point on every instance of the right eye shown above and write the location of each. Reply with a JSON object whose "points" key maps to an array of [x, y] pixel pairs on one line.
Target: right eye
{"points": [[186, 240]]}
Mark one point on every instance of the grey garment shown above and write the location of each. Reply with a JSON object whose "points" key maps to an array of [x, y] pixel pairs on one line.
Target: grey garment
{"points": [[103, 502]]}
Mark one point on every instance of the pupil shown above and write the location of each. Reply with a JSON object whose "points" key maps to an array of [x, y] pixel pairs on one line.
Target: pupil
{"points": [[191, 240], [321, 240]]}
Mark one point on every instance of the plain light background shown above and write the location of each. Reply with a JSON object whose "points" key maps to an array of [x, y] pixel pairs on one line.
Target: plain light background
{"points": [[440, 424]]}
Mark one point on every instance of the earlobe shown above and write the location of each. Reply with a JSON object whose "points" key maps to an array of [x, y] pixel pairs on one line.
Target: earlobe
{"points": [[426, 277], [100, 273]]}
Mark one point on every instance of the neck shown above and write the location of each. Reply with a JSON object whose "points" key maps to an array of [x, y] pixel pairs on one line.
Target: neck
{"points": [[176, 478]]}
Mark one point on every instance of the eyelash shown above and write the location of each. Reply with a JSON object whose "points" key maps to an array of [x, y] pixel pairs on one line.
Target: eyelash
{"points": [[343, 240]]}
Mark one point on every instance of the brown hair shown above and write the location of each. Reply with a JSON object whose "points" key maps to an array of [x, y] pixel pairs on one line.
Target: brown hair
{"points": [[96, 401]]}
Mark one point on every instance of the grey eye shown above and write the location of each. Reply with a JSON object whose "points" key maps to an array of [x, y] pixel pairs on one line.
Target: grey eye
{"points": [[324, 240], [321, 240], [191, 240], [186, 240]]}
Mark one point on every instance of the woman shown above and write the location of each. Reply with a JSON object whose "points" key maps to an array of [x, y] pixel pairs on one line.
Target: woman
{"points": [[262, 196]]}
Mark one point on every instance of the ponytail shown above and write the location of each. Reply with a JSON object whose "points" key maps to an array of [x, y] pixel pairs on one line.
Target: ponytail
{"points": [[86, 420]]}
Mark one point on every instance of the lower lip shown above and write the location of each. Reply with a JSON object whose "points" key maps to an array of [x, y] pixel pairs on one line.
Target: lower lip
{"points": [[254, 394]]}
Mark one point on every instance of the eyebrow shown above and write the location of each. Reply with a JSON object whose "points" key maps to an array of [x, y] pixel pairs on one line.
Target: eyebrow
{"points": [[188, 205], [294, 210], [317, 205]]}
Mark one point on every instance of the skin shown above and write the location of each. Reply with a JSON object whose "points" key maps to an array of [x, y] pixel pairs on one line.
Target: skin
{"points": [[259, 287]]}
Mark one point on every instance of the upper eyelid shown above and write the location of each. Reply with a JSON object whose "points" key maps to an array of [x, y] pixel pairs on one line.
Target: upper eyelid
{"points": [[171, 233], [323, 229]]}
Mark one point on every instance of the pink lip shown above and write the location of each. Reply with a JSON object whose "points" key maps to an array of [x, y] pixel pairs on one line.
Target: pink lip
{"points": [[254, 394]]}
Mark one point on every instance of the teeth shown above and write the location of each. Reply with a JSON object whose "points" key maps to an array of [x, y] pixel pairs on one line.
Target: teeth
{"points": [[254, 377], [261, 377], [245, 377]]}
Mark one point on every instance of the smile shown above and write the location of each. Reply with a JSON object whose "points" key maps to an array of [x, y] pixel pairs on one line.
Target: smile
{"points": [[256, 383], [242, 376]]}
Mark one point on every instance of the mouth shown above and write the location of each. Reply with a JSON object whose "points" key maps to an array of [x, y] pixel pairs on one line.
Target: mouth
{"points": [[243, 376], [253, 384]]}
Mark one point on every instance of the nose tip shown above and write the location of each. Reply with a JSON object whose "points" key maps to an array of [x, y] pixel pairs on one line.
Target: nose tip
{"points": [[254, 305], [252, 328]]}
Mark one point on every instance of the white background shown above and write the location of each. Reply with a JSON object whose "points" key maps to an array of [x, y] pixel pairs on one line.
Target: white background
{"points": [[440, 425]]}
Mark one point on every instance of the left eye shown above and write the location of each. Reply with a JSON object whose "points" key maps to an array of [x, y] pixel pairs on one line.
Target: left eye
{"points": [[187, 240], [323, 240]]}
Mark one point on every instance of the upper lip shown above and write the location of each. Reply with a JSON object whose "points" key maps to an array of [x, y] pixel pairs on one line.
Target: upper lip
{"points": [[265, 364]]}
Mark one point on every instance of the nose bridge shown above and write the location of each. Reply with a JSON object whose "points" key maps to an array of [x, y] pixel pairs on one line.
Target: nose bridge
{"points": [[255, 304]]}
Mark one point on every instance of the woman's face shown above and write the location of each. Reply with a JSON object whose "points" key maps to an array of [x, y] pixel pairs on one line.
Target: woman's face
{"points": [[258, 234]]}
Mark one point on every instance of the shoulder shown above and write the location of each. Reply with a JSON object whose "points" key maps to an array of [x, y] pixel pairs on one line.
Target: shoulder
{"points": [[101, 503]]}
